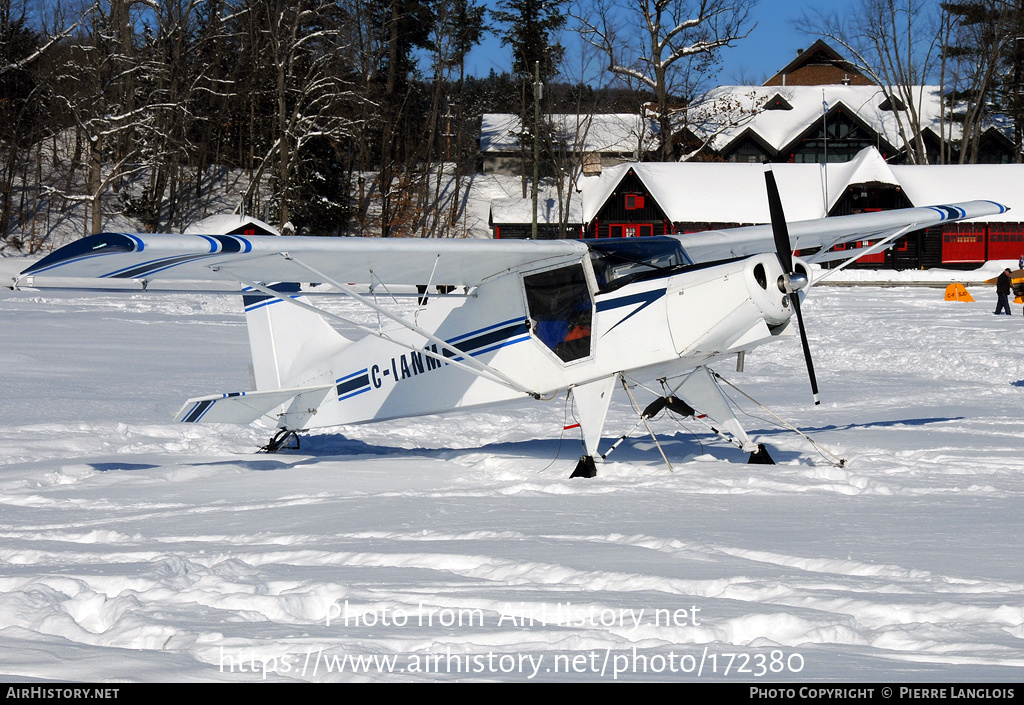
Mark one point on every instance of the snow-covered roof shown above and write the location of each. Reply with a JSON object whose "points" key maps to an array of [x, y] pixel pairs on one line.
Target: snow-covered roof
{"points": [[614, 132], [778, 128], [710, 192], [520, 210], [932, 185], [735, 192], [225, 223]]}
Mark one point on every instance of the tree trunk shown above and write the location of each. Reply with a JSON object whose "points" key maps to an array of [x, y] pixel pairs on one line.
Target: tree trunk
{"points": [[95, 163], [283, 150]]}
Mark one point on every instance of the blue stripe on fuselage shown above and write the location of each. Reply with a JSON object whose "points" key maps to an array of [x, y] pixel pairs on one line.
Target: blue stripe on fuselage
{"points": [[644, 298]]}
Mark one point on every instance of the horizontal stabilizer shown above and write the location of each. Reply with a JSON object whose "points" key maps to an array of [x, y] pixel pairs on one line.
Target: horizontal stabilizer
{"points": [[246, 407]]}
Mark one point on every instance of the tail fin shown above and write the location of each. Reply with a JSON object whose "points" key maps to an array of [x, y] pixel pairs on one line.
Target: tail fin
{"points": [[287, 341]]}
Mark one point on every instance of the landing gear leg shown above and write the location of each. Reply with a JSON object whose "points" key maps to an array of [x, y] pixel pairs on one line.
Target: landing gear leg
{"points": [[280, 440], [760, 456], [591, 400], [585, 467]]}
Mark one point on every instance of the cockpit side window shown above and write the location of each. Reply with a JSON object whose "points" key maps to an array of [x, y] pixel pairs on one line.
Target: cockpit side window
{"points": [[619, 261], [561, 310]]}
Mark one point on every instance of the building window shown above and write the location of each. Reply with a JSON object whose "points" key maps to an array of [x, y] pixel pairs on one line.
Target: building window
{"points": [[634, 202], [841, 140], [748, 151]]}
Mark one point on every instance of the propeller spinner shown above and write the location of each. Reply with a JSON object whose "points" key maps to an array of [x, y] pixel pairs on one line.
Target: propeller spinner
{"points": [[791, 281]]}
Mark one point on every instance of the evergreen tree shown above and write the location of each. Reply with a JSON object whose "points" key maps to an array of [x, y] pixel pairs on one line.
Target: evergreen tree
{"points": [[530, 28], [320, 197]]}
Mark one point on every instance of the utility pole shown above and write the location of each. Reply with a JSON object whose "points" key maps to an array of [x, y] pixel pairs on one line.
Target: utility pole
{"points": [[538, 91], [824, 134]]}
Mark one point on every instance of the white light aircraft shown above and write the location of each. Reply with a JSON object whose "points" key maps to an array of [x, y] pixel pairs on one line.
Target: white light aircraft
{"points": [[529, 319]]}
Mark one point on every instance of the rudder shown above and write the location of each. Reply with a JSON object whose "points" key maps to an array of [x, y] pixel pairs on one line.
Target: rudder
{"points": [[287, 342]]}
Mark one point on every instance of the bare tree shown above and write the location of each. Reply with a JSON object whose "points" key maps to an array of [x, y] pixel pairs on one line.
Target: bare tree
{"points": [[54, 34], [95, 86], [896, 44], [30, 36], [667, 47], [713, 113], [458, 27], [980, 51], [305, 58], [568, 140]]}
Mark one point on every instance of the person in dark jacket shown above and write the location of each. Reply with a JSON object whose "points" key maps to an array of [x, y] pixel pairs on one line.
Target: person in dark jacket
{"points": [[1003, 287]]}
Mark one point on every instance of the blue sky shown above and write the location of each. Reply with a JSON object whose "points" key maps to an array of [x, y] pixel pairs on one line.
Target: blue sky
{"points": [[771, 45]]}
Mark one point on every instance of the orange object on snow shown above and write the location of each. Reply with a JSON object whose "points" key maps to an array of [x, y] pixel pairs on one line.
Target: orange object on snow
{"points": [[958, 292], [1016, 277], [1016, 280]]}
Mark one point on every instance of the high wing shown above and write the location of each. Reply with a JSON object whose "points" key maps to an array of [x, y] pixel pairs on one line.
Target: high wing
{"points": [[716, 245], [127, 261], [120, 260]]}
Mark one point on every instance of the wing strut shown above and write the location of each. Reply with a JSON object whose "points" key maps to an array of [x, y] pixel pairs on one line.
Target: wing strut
{"points": [[460, 359], [880, 245]]}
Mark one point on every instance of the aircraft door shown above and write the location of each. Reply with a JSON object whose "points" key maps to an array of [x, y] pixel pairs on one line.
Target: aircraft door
{"points": [[561, 311]]}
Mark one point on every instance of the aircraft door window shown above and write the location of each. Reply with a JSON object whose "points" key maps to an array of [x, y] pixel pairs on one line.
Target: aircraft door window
{"points": [[561, 310]]}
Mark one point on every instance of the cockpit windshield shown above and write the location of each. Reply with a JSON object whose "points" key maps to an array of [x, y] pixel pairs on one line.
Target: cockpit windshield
{"points": [[619, 261]]}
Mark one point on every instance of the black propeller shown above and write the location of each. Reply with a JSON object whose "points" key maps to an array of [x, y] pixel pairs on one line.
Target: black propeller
{"points": [[792, 281]]}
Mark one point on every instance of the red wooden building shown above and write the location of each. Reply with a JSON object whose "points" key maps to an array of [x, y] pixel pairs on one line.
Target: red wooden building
{"points": [[644, 199]]}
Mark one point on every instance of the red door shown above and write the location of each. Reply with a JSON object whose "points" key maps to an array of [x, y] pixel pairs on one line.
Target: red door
{"points": [[876, 258], [1005, 241], [630, 229], [963, 243]]}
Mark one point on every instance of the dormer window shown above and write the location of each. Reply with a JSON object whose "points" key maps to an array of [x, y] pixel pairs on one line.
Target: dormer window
{"points": [[892, 104], [778, 103]]}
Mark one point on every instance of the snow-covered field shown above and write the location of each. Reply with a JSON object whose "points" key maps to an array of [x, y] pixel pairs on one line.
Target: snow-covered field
{"points": [[132, 548]]}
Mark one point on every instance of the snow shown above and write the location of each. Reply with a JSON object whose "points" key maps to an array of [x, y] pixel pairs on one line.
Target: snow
{"points": [[714, 192], [222, 223], [733, 192], [912, 277], [966, 182], [620, 133], [520, 210], [501, 194], [779, 128], [137, 549]]}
